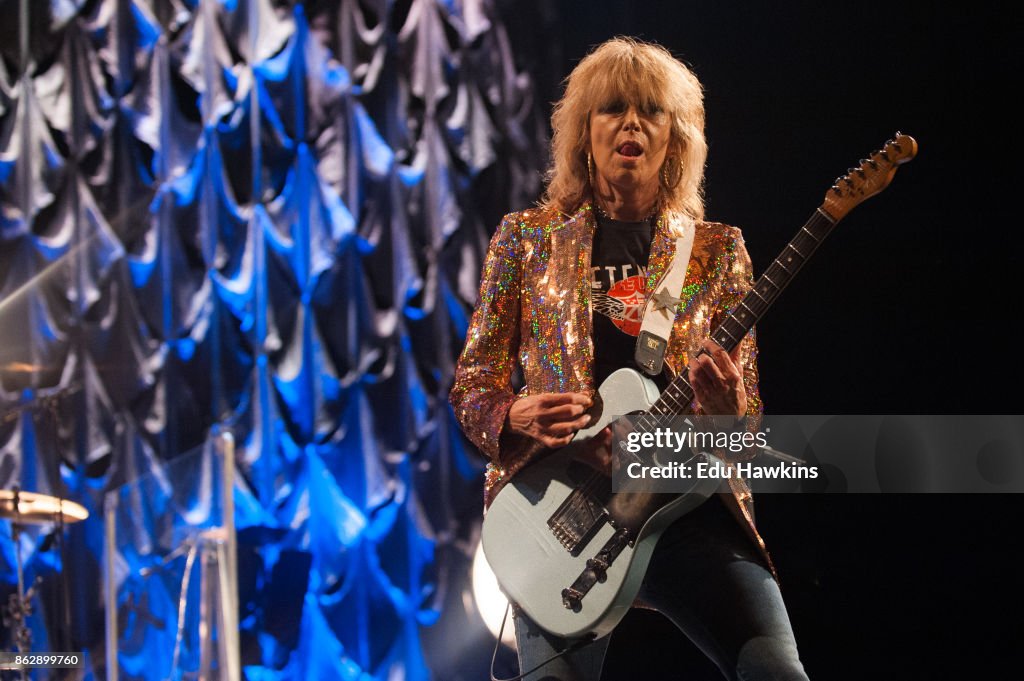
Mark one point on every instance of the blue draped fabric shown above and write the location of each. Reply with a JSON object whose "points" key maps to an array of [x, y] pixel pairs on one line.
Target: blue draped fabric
{"points": [[267, 217]]}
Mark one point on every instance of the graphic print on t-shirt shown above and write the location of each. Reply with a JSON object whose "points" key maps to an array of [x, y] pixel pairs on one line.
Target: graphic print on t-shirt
{"points": [[618, 294], [618, 270]]}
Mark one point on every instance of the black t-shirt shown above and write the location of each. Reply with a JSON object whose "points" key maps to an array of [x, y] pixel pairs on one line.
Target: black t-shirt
{"points": [[618, 269]]}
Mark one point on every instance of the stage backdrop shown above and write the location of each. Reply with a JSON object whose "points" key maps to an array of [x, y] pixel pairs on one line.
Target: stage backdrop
{"points": [[270, 217]]}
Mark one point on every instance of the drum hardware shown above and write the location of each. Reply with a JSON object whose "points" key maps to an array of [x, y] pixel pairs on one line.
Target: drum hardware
{"points": [[30, 508]]}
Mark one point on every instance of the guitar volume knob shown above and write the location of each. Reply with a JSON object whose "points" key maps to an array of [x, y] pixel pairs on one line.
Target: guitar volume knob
{"points": [[599, 568], [572, 599]]}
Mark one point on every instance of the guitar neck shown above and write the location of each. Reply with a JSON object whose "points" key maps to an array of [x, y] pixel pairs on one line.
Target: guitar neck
{"points": [[871, 177], [678, 396], [774, 281]]}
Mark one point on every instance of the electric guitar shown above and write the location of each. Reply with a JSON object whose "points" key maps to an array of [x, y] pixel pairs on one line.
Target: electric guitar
{"points": [[567, 550]]}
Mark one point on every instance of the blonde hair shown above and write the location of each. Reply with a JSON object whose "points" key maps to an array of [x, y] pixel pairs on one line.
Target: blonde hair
{"points": [[646, 74]]}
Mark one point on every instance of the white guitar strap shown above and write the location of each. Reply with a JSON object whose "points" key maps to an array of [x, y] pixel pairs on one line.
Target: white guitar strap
{"points": [[660, 311]]}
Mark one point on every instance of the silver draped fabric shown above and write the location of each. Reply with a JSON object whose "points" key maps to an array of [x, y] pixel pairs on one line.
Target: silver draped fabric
{"points": [[267, 216]]}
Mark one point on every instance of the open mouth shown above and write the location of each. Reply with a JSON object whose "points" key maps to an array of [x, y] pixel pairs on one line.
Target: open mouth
{"points": [[630, 149]]}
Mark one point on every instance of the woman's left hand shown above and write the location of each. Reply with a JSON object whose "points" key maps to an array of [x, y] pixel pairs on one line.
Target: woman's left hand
{"points": [[717, 380]]}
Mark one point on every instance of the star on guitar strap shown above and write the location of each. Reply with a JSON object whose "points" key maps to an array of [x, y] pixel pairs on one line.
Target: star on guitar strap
{"points": [[661, 308]]}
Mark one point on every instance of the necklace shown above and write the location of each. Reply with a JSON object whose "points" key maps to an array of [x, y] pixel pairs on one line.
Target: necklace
{"points": [[649, 218]]}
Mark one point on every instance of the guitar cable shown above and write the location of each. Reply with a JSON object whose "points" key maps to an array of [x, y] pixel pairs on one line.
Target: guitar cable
{"points": [[497, 644]]}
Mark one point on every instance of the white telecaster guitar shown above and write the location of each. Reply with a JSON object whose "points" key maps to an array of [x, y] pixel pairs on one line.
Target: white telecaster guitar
{"points": [[572, 554]]}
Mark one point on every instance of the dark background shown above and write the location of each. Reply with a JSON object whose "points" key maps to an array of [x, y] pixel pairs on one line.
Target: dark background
{"points": [[908, 308]]}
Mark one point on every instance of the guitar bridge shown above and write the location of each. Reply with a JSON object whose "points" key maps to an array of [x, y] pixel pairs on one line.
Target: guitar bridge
{"points": [[577, 519]]}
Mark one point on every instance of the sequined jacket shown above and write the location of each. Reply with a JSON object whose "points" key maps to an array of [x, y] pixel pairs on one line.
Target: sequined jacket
{"points": [[534, 314]]}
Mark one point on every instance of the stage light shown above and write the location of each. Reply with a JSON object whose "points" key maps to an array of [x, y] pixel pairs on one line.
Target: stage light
{"points": [[490, 601]]}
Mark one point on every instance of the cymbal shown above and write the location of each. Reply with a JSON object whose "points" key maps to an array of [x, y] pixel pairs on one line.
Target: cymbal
{"points": [[39, 508]]}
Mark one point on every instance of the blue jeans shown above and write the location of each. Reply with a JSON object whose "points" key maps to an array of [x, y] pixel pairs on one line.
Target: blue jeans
{"points": [[709, 579]]}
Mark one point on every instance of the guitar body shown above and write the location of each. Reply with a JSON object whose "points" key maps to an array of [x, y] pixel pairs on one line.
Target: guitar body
{"points": [[532, 564]]}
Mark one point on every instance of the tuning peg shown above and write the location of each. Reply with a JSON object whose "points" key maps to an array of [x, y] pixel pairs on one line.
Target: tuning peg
{"points": [[837, 190], [871, 162]]}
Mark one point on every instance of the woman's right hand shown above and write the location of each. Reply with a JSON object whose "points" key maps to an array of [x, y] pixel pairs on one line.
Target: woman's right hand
{"points": [[551, 419]]}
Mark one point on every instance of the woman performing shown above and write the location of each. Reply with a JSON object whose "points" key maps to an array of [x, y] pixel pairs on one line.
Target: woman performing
{"points": [[562, 296]]}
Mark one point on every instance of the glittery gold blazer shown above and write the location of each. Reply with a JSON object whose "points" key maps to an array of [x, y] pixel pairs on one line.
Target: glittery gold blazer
{"points": [[534, 314]]}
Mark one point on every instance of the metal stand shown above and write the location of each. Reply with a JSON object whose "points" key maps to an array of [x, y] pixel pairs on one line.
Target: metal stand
{"points": [[214, 550], [25, 508], [218, 585], [216, 605], [19, 604]]}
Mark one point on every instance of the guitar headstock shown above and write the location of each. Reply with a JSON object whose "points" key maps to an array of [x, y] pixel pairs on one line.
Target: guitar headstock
{"points": [[872, 176]]}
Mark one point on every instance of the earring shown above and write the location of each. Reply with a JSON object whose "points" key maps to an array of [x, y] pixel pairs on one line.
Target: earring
{"points": [[672, 184], [590, 169]]}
